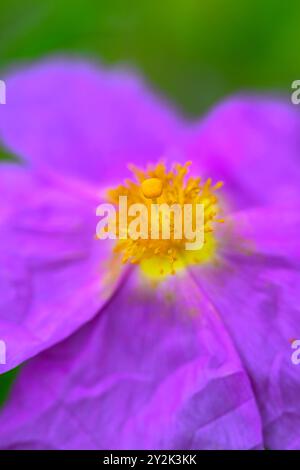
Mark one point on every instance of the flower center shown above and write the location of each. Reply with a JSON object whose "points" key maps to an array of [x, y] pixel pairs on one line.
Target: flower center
{"points": [[152, 188], [178, 219]]}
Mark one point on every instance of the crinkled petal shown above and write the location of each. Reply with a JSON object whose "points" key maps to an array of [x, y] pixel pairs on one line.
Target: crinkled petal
{"points": [[52, 272], [257, 295], [84, 121], [253, 145], [154, 370]]}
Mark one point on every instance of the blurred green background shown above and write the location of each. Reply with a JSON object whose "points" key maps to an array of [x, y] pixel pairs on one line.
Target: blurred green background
{"points": [[194, 51]]}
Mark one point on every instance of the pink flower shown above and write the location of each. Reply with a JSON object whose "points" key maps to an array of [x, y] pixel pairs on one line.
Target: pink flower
{"points": [[121, 364]]}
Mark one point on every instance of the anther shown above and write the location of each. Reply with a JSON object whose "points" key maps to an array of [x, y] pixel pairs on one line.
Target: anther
{"points": [[152, 188]]}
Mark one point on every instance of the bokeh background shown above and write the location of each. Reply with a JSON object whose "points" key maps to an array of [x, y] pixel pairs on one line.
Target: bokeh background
{"points": [[195, 52]]}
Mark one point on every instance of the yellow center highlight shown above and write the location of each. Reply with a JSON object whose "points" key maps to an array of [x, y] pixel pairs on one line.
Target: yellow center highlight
{"points": [[161, 257], [152, 188]]}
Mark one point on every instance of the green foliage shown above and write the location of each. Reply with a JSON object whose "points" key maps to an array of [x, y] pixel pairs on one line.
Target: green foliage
{"points": [[6, 381], [194, 51]]}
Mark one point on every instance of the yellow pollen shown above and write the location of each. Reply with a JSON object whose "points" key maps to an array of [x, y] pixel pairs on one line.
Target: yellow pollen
{"points": [[159, 257], [152, 188]]}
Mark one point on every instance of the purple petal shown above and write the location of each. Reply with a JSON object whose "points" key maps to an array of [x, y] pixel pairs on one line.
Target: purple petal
{"points": [[51, 267], [85, 121], [253, 145], [258, 297], [148, 372]]}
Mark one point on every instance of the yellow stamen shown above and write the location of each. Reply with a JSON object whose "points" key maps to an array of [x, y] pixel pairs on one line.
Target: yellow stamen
{"points": [[161, 257], [152, 188]]}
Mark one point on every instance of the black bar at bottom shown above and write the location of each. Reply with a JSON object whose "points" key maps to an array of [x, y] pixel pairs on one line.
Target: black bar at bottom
{"points": [[132, 459]]}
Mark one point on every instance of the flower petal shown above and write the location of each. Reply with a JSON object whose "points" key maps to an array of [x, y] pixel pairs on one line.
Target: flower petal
{"points": [[84, 121], [253, 145], [146, 373], [51, 267], [257, 296]]}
